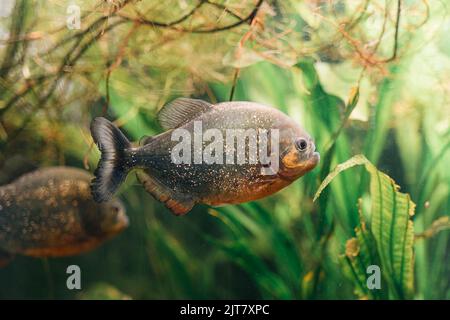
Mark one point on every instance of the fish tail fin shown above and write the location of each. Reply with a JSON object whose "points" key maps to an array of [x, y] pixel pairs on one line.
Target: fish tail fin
{"points": [[112, 167]]}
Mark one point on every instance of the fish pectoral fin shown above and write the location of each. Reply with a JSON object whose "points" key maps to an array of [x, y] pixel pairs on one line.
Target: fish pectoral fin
{"points": [[179, 204], [181, 111], [5, 258]]}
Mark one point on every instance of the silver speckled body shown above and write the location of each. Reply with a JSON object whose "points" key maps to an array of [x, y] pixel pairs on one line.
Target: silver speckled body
{"points": [[218, 184], [50, 212]]}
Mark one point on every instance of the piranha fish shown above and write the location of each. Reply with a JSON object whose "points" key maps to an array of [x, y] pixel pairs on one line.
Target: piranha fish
{"points": [[50, 213], [181, 185]]}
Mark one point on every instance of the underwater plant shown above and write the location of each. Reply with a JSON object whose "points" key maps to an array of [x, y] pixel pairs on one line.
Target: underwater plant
{"points": [[367, 79]]}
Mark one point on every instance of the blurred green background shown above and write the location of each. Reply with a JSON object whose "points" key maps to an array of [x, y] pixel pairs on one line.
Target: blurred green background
{"points": [[363, 77]]}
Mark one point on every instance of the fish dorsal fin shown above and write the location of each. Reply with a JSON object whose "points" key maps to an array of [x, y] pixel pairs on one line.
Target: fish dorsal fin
{"points": [[179, 204], [180, 111]]}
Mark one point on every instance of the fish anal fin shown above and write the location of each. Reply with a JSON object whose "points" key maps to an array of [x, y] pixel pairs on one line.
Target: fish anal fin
{"points": [[180, 111], [179, 204]]}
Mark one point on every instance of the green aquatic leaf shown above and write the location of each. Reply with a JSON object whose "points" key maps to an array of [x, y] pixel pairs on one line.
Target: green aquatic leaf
{"points": [[356, 160], [360, 253], [103, 291], [393, 230], [391, 226]]}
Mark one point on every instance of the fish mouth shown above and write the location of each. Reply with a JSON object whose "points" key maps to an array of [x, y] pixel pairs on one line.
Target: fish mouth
{"points": [[122, 222], [313, 160], [316, 156], [125, 221]]}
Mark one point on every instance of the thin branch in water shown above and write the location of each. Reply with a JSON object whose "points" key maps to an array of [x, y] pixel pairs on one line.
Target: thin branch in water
{"points": [[144, 21], [249, 18], [117, 61], [233, 87], [172, 24], [224, 8], [397, 26], [106, 105]]}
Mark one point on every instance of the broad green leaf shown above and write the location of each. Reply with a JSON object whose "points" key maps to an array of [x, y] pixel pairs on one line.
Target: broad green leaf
{"points": [[391, 226], [360, 253]]}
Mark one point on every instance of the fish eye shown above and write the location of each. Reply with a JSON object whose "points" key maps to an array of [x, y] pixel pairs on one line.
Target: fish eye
{"points": [[301, 144]]}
